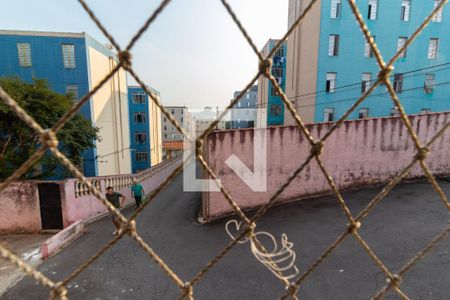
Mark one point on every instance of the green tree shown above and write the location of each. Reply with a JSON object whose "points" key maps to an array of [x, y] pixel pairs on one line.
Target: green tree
{"points": [[18, 141]]}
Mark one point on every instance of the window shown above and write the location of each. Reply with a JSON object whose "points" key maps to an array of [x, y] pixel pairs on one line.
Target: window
{"points": [[68, 56], [279, 52], [394, 112], [165, 135], [181, 120], [398, 83], [372, 11], [165, 119], [368, 52], [328, 114], [405, 10], [165, 127], [333, 45], [331, 83], [277, 72], [363, 113], [365, 83], [400, 43], [173, 111], [138, 98], [141, 156], [425, 111], [73, 91], [429, 83], [433, 48], [438, 16], [24, 52], [335, 9], [139, 118], [275, 109], [140, 137]]}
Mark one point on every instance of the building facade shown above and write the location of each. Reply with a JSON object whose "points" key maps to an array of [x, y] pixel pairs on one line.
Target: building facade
{"points": [[74, 63], [330, 64], [172, 138], [243, 114], [268, 98], [145, 129], [203, 119]]}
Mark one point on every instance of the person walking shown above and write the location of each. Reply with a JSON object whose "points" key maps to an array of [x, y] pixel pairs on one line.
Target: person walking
{"points": [[117, 200], [137, 191]]}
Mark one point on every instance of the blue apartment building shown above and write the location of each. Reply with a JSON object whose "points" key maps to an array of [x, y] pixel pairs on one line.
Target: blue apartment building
{"points": [[345, 67], [243, 114], [71, 63], [268, 98], [145, 129]]}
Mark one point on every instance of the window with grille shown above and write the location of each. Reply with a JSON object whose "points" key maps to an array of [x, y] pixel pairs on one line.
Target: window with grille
{"points": [[398, 83], [24, 52], [328, 114], [138, 98], [330, 83], [279, 52], [372, 10], [405, 10], [139, 118], [141, 156], [273, 91], [433, 48], [173, 111], [400, 43], [275, 110], [335, 9], [366, 82], [140, 137], [333, 45], [368, 52], [438, 16], [277, 72], [69, 56], [429, 83], [363, 113], [73, 91]]}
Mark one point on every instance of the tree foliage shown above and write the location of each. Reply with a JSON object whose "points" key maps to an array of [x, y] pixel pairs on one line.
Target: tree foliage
{"points": [[18, 141]]}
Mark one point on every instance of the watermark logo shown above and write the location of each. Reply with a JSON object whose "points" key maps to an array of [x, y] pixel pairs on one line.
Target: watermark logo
{"points": [[255, 119]]}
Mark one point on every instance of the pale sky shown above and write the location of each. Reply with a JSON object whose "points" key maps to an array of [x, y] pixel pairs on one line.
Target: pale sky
{"points": [[193, 53]]}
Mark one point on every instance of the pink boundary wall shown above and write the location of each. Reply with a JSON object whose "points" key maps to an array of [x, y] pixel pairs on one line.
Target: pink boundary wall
{"points": [[88, 206], [20, 209], [61, 239], [359, 153]]}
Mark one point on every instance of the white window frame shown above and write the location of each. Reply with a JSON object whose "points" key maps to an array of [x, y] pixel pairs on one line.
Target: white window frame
{"points": [[368, 52], [372, 10], [69, 59], [398, 83], [140, 137], [335, 12], [330, 86], [433, 48], [333, 45], [437, 18], [366, 82], [143, 117], [328, 114], [430, 82], [72, 88], [401, 41], [24, 54], [140, 155], [405, 10], [138, 97], [363, 113]]}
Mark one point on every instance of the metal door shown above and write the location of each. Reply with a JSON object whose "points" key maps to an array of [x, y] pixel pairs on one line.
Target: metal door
{"points": [[50, 203]]}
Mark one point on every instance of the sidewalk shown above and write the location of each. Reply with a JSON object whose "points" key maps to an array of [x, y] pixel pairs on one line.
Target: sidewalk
{"points": [[27, 247]]}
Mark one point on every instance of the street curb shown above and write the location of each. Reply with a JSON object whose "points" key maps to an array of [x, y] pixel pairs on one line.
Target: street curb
{"points": [[61, 239]]}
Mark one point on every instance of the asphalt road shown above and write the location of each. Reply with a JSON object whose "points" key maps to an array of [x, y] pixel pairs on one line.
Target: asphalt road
{"points": [[398, 228]]}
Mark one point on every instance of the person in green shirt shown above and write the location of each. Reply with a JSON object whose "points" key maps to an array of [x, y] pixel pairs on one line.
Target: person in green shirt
{"points": [[117, 200], [137, 191]]}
